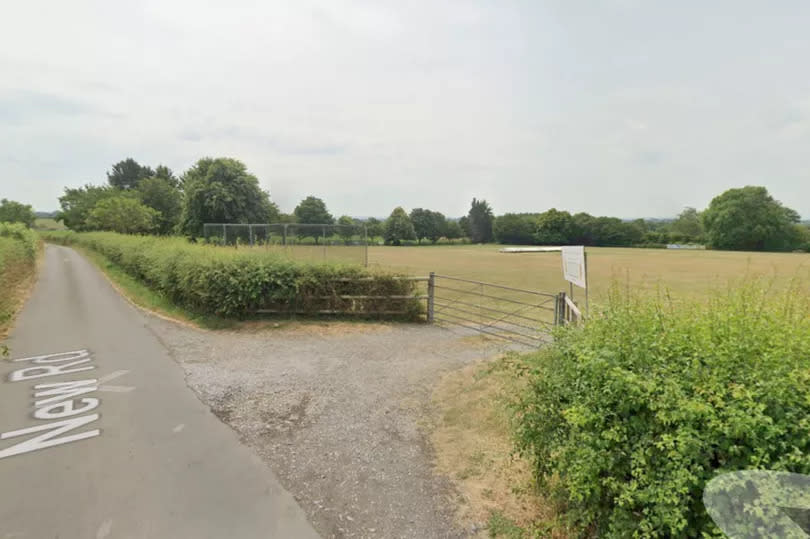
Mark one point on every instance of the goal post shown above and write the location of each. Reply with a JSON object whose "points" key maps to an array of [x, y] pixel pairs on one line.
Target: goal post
{"points": [[306, 241]]}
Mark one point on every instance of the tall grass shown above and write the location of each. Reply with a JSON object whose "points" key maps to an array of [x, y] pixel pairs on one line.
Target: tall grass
{"points": [[18, 251], [628, 418], [234, 283]]}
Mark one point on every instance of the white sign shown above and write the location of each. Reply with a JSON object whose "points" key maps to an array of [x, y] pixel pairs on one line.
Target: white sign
{"points": [[573, 261]]}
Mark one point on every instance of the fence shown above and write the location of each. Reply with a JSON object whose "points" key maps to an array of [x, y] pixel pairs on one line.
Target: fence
{"points": [[567, 311], [521, 316], [310, 242], [373, 299]]}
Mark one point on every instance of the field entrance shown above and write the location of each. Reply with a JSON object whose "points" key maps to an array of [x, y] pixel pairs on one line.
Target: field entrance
{"points": [[518, 315]]}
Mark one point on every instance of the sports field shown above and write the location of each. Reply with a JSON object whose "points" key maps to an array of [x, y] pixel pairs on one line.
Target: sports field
{"points": [[683, 272]]}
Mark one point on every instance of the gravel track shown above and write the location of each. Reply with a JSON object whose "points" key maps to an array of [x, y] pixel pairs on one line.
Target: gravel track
{"points": [[338, 412]]}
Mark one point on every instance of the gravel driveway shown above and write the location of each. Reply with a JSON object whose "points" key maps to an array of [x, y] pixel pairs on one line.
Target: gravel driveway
{"points": [[338, 412]]}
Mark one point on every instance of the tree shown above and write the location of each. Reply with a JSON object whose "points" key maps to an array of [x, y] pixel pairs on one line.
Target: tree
{"points": [[688, 225], [77, 203], [161, 195], [165, 173], [428, 224], [312, 211], [480, 219], [122, 214], [803, 237], [515, 228], [128, 173], [16, 212], [749, 219], [554, 227], [422, 223], [221, 190], [347, 228], [398, 227], [286, 218], [464, 223], [374, 228], [452, 230]]}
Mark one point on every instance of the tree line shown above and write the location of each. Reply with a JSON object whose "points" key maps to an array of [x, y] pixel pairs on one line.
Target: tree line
{"points": [[138, 199]]}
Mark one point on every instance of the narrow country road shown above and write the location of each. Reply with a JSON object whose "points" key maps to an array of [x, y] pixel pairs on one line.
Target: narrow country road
{"points": [[101, 437]]}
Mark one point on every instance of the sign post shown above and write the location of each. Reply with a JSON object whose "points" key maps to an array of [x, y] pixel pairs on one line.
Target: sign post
{"points": [[575, 268]]}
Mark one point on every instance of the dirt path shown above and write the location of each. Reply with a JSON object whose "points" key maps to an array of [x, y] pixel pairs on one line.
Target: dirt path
{"points": [[338, 414]]}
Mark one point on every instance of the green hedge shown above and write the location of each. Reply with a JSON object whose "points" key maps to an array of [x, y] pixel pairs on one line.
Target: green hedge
{"points": [[24, 236], [18, 252], [234, 283], [629, 417]]}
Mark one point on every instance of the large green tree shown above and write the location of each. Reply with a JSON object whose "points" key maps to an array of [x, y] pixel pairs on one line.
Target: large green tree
{"points": [[160, 194], [554, 227], [122, 214], [452, 230], [128, 173], [480, 221], [312, 211], [16, 212], [398, 227], [164, 172], [428, 224], [688, 226], [750, 219], [347, 228], [374, 228], [515, 228], [221, 190], [77, 202]]}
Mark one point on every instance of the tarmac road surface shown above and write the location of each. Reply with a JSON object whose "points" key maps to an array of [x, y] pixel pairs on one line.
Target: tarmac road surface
{"points": [[100, 436]]}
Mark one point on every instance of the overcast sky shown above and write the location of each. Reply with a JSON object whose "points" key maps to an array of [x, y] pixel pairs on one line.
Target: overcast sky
{"points": [[633, 108]]}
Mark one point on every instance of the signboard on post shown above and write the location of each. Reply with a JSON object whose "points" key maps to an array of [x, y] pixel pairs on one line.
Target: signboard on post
{"points": [[573, 262]]}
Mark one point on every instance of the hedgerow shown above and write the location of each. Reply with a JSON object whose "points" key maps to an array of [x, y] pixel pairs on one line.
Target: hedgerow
{"points": [[628, 417], [27, 238], [18, 251], [234, 283]]}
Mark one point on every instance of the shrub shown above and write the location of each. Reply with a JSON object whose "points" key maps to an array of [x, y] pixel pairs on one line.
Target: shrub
{"points": [[28, 239], [18, 250], [226, 282], [629, 417]]}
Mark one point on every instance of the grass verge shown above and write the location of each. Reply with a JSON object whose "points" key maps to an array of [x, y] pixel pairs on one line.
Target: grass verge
{"points": [[473, 445]]}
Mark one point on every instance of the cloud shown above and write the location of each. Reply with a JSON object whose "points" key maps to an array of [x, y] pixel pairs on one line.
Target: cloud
{"points": [[26, 105], [620, 107]]}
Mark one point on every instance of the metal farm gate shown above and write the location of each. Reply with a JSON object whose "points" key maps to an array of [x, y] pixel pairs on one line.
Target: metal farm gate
{"points": [[521, 316]]}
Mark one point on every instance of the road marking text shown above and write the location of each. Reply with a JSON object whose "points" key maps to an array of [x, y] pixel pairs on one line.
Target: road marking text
{"points": [[62, 402]]}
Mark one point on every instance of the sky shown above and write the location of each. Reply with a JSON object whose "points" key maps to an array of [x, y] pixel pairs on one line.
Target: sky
{"points": [[630, 108]]}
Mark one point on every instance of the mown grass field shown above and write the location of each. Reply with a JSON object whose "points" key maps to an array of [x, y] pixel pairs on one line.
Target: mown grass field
{"points": [[684, 273]]}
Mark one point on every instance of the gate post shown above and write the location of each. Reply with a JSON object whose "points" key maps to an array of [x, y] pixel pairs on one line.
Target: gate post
{"points": [[431, 296], [559, 311]]}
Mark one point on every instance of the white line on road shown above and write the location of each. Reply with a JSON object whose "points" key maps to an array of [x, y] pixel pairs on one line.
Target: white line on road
{"points": [[112, 376], [114, 389]]}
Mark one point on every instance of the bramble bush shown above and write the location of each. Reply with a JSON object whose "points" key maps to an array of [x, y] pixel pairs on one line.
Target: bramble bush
{"points": [[234, 283], [628, 417]]}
